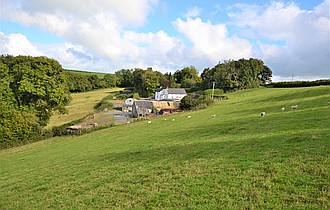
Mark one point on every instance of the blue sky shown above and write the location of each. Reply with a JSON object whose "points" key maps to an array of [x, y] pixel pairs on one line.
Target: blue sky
{"points": [[291, 37]]}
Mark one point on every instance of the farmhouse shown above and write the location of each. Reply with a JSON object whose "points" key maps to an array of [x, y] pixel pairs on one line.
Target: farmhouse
{"points": [[172, 94], [142, 108]]}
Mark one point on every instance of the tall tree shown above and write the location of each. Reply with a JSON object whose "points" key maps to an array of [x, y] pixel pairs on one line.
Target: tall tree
{"points": [[187, 76], [146, 81], [37, 85], [125, 78]]}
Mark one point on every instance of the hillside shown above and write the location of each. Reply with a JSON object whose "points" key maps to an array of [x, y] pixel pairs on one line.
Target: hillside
{"points": [[234, 161], [87, 73], [81, 105]]}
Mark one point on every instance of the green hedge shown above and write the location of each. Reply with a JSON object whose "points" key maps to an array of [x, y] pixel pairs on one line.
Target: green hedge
{"points": [[300, 83]]}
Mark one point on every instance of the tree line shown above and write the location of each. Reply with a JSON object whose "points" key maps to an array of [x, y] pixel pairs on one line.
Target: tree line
{"points": [[229, 75], [33, 88]]}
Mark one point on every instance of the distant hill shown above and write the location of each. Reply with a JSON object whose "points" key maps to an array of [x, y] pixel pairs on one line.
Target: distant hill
{"points": [[86, 73], [224, 157]]}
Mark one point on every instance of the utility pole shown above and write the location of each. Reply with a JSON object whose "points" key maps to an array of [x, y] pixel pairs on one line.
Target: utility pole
{"points": [[213, 90]]}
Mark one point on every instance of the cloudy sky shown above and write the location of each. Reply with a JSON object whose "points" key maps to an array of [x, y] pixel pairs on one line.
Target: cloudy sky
{"points": [[291, 37]]}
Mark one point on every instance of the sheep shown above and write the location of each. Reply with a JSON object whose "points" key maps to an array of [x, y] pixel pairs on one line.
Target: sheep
{"points": [[262, 114], [294, 107], [189, 116], [213, 116], [282, 109]]}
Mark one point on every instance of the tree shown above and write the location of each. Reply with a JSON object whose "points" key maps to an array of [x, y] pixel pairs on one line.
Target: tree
{"points": [[169, 81], [187, 103], [110, 80], [187, 77], [37, 85], [125, 78], [234, 75], [146, 82], [265, 75], [94, 81]]}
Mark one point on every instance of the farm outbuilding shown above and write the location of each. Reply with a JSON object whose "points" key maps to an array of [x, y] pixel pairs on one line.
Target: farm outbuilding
{"points": [[166, 107], [128, 105], [142, 108]]}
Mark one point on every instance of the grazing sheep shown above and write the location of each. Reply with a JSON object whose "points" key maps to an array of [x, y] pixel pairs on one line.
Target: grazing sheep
{"points": [[262, 114], [213, 116], [294, 107], [189, 116], [282, 109]]}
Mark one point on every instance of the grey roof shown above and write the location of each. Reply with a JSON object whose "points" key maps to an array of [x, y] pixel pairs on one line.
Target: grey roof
{"points": [[177, 91], [143, 104]]}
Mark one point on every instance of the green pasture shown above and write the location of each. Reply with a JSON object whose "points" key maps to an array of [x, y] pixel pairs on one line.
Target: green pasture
{"points": [[237, 160], [87, 73], [82, 104]]}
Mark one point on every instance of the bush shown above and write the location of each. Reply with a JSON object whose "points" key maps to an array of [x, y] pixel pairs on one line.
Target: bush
{"points": [[300, 84], [188, 103], [195, 102], [105, 103]]}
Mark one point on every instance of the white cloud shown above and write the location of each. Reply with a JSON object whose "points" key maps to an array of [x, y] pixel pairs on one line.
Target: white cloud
{"points": [[98, 27], [102, 36], [304, 37], [17, 44], [193, 12], [212, 42]]}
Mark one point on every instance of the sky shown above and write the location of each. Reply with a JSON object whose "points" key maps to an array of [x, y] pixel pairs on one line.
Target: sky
{"points": [[291, 37]]}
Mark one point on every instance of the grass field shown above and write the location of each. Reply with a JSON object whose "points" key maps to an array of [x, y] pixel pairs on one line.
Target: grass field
{"points": [[86, 73], [237, 160], [81, 105]]}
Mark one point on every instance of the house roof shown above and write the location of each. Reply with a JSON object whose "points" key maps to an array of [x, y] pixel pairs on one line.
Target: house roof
{"points": [[143, 104], [176, 91], [166, 104]]}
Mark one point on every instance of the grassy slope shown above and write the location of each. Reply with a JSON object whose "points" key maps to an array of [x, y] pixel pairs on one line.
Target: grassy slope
{"points": [[86, 73], [81, 105], [237, 160]]}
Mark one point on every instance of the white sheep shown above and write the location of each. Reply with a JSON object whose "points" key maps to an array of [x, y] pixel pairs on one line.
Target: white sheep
{"points": [[294, 107], [282, 109], [262, 114]]}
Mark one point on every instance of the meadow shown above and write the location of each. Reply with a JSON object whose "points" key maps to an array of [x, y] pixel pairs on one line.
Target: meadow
{"points": [[81, 105], [237, 160], [87, 73]]}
